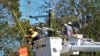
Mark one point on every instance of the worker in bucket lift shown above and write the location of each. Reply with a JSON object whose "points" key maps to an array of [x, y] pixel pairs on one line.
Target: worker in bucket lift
{"points": [[32, 36], [68, 31]]}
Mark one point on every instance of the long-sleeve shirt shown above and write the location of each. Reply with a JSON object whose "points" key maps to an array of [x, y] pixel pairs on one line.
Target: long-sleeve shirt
{"points": [[35, 36], [68, 30]]}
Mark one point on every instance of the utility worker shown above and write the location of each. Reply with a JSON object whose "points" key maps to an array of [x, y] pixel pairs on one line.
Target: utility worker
{"points": [[33, 35], [68, 31]]}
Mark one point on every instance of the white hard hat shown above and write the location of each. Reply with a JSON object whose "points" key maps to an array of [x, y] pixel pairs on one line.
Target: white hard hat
{"points": [[70, 23]]}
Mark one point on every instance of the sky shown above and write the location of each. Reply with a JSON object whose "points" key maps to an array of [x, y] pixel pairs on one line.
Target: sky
{"points": [[31, 9]]}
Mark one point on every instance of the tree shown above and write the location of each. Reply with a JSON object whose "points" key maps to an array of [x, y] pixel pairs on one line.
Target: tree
{"points": [[6, 12], [10, 31], [91, 16]]}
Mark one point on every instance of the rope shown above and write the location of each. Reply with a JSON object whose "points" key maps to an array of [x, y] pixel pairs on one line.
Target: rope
{"points": [[19, 25]]}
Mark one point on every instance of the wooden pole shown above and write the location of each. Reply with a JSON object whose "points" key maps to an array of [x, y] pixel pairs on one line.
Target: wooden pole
{"points": [[51, 17]]}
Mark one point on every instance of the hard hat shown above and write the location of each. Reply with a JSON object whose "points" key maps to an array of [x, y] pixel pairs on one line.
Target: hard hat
{"points": [[69, 23], [30, 29]]}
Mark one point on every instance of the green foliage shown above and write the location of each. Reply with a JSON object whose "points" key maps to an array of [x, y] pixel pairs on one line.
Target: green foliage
{"points": [[11, 31], [93, 28], [10, 5]]}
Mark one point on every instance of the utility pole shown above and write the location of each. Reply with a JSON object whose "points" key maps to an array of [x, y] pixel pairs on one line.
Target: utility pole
{"points": [[51, 17]]}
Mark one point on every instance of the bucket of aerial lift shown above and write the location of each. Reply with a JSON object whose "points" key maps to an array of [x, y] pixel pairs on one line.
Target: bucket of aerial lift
{"points": [[23, 51], [50, 46]]}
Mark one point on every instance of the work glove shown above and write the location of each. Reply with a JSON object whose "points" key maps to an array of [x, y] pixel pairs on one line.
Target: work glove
{"points": [[27, 36], [31, 43]]}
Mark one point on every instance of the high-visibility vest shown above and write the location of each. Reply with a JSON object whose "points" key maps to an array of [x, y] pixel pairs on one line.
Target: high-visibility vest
{"points": [[23, 51]]}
